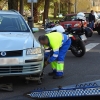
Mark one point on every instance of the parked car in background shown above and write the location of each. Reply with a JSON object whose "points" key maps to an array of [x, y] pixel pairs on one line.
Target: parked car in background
{"points": [[20, 52], [98, 15], [70, 20]]}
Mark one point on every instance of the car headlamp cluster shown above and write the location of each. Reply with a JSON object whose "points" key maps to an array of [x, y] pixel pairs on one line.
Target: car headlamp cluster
{"points": [[33, 51]]}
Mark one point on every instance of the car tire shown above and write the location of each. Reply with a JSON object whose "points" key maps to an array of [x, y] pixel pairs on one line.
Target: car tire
{"points": [[98, 31]]}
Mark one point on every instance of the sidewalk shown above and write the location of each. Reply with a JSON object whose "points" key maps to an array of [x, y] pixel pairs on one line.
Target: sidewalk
{"points": [[39, 25]]}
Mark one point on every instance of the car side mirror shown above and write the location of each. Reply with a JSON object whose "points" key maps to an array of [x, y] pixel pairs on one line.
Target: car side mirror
{"points": [[34, 30]]}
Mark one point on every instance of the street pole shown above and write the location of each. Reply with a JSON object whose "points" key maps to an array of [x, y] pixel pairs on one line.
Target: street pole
{"points": [[32, 12], [21, 6], [59, 7], [75, 8], [91, 4]]}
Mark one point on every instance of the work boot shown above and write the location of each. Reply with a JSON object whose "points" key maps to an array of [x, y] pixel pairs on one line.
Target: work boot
{"points": [[57, 77], [51, 73]]}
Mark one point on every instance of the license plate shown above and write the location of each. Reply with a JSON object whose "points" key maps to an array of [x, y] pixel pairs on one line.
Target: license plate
{"points": [[7, 61], [83, 37]]}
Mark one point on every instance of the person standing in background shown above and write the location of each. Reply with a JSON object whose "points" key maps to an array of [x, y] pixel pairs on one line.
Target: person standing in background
{"points": [[91, 19]]}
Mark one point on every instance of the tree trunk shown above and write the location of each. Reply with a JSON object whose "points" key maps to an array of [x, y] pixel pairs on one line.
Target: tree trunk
{"points": [[35, 14], [61, 5], [13, 4], [35, 10], [46, 10], [55, 9], [69, 7], [21, 6], [0, 8]]}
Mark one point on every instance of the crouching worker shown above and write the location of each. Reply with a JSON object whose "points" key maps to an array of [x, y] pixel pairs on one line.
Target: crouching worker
{"points": [[56, 46]]}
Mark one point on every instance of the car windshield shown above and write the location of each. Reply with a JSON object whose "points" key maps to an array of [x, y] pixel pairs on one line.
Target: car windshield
{"points": [[70, 18], [12, 23]]}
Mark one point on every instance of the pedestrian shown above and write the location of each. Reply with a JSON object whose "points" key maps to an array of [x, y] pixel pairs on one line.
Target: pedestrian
{"points": [[56, 46], [91, 19]]}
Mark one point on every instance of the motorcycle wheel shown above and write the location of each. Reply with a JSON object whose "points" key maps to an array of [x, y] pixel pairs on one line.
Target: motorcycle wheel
{"points": [[79, 49], [88, 32]]}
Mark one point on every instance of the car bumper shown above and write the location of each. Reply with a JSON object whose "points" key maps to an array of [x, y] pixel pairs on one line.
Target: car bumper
{"points": [[27, 65]]}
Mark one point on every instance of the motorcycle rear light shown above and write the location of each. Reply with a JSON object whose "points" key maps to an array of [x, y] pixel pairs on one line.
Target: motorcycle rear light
{"points": [[73, 38]]}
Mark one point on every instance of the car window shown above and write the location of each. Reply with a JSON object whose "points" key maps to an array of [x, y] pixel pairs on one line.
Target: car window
{"points": [[12, 23], [98, 15], [70, 18], [87, 17]]}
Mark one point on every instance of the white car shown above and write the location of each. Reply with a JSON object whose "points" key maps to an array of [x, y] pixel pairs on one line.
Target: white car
{"points": [[20, 52], [96, 16]]}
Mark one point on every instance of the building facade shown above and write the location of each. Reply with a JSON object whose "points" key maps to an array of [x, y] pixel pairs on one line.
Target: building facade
{"points": [[85, 5]]}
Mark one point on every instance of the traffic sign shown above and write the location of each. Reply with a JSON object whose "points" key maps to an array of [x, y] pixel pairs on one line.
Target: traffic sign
{"points": [[30, 1]]}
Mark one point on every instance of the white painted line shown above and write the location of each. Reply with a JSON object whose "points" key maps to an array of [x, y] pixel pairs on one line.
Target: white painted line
{"points": [[91, 46]]}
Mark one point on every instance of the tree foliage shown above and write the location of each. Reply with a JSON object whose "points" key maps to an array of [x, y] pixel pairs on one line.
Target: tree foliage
{"points": [[53, 7], [3, 3]]}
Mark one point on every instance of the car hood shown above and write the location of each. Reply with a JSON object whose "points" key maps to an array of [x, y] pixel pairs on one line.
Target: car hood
{"points": [[70, 22], [15, 41]]}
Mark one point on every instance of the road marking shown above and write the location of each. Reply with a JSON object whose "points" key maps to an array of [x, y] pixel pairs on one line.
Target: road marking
{"points": [[91, 46]]}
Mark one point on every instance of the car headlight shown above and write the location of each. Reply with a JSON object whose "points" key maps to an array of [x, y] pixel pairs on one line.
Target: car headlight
{"points": [[76, 25], [33, 51]]}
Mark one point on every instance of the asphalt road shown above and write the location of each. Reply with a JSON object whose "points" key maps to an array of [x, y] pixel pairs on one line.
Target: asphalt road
{"points": [[77, 70]]}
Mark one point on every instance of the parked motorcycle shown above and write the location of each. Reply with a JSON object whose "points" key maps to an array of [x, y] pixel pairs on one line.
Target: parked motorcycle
{"points": [[77, 46], [78, 37], [88, 32]]}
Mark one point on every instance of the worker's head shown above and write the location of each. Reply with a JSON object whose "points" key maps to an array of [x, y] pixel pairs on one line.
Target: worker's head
{"points": [[43, 40]]}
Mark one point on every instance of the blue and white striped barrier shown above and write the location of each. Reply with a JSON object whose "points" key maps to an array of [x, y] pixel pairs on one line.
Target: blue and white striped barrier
{"points": [[84, 89]]}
